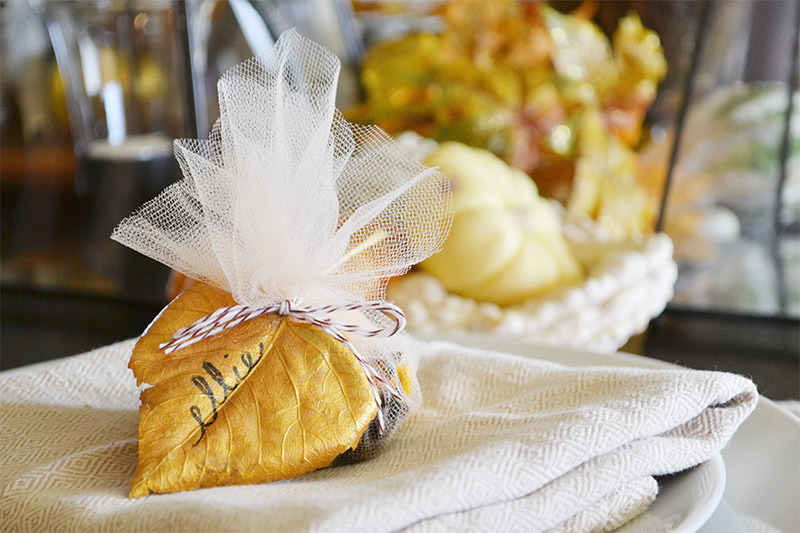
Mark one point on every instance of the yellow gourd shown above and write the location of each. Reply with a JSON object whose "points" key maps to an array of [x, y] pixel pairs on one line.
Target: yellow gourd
{"points": [[506, 243]]}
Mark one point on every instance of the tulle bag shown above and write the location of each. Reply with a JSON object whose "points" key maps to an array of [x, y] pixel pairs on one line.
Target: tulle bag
{"points": [[285, 357]]}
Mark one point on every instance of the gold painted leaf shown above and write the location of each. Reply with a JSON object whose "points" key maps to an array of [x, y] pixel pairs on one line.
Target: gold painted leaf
{"points": [[268, 399]]}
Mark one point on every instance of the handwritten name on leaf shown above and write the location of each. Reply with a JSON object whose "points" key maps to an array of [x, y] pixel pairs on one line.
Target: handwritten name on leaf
{"points": [[269, 399], [217, 377]]}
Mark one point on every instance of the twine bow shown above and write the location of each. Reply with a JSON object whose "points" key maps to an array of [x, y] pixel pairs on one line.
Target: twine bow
{"points": [[228, 317]]}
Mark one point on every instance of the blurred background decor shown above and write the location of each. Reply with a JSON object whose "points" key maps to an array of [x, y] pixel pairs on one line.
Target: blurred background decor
{"points": [[638, 118], [515, 264]]}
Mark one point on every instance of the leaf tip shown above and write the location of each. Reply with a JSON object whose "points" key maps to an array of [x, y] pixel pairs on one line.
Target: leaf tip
{"points": [[138, 489]]}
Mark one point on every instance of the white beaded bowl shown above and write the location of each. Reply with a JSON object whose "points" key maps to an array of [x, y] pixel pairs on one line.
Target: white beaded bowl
{"points": [[627, 284]]}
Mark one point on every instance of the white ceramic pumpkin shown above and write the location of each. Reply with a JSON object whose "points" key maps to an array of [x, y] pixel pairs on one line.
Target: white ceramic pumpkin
{"points": [[506, 242]]}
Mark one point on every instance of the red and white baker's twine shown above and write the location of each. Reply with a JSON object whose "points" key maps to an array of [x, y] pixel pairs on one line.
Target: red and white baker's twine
{"points": [[228, 317]]}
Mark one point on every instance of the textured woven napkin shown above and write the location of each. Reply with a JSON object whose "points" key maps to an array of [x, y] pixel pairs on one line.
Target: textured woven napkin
{"points": [[501, 443]]}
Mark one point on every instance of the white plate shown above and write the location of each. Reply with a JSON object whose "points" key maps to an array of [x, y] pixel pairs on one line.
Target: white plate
{"points": [[763, 462], [763, 478], [687, 500]]}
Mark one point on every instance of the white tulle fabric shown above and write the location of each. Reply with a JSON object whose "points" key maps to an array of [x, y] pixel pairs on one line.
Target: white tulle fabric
{"points": [[286, 200], [276, 203]]}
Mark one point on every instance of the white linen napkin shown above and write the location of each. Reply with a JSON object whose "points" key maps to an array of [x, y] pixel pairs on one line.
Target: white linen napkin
{"points": [[501, 443]]}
